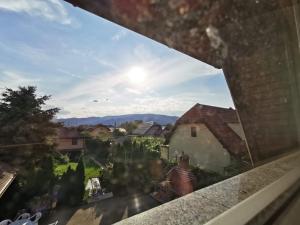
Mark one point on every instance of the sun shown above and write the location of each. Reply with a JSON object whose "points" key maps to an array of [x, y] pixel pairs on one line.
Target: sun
{"points": [[137, 75]]}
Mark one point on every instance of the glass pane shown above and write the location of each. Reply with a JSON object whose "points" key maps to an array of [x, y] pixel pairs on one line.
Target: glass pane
{"points": [[99, 123]]}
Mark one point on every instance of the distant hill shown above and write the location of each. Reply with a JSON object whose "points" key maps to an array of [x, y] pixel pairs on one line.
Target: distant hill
{"points": [[111, 120]]}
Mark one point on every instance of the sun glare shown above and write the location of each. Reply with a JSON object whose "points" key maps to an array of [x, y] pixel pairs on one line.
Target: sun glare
{"points": [[137, 75]]}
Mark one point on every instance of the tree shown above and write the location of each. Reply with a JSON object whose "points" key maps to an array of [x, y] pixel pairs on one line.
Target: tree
{"points": [[25, 128], [72, 185], [79, 181], [66, 186], [133, 165], [45, 175], [98, 148], [24, 122]]}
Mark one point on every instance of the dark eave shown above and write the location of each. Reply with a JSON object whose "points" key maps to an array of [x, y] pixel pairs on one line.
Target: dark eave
{"points": [[193, 27]]}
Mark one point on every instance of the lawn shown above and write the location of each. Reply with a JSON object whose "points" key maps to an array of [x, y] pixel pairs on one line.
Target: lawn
{"points": [[91, 169], [60, 169]]}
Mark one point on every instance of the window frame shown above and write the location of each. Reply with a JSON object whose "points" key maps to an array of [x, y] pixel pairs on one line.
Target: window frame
{"points": [[194, 131]]}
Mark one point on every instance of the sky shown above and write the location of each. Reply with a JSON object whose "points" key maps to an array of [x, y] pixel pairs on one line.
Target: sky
{"points": [[92, 67]]}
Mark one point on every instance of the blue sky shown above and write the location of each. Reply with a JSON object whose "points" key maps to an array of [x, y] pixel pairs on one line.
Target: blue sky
{"points": [[93, 67]]}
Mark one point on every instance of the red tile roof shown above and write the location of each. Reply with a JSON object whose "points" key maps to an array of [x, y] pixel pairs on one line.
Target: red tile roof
{"points": [[66, 133], [216, 120], [198, 113]]}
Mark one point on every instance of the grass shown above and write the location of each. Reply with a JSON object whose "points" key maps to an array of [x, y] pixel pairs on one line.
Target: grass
{"points": [[91, 169], [60, 169]]}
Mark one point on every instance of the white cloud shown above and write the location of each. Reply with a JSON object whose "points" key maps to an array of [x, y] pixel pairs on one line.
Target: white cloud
{"points": [[51, 10], [164, 73], [119, 35], [116, 95], [69, 74], [12, 79]]}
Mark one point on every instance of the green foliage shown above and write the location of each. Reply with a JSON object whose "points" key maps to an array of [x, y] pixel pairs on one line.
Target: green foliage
{"points": [[22, 118], [79, 181], [60, 169], [74, 178], [91, 169], [131, 165], [117, 133], [24, 121], [151, 144], [122, 177], [45, 175], [60, 158], [32, 182], [138, 149], [67, 184], [206, 178], [98, 148], [237, 167], [131, 126], [38, 180], [101, 136]]}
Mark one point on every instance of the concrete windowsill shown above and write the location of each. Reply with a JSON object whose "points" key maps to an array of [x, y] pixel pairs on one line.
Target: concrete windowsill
{"points": [[203, 205]]}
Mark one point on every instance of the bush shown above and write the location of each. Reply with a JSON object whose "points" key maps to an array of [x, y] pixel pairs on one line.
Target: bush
{"points": [[72, 185], [206, 178], [61, 159], [134, 166], [98, 148]]}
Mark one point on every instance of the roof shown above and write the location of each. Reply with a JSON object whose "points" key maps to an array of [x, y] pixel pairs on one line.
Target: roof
{"points": [[92, 128], [7, 175], [143, 128], [64, 133], [199, 113], [216, 119], [177, 25]]}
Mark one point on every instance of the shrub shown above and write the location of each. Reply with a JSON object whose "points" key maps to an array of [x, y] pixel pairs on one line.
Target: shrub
{"points": [[206, 178], [72, 185]]}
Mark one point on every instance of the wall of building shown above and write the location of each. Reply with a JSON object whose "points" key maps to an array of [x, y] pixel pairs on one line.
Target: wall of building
{"points": [[258, 74], [66, 144], [205, 151]]}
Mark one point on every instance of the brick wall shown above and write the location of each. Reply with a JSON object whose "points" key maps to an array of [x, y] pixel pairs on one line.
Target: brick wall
{"points": [[259, 78]]}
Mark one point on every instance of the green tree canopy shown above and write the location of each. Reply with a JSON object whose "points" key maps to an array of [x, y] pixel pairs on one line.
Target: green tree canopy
{"points": [[80, 188], [23, 119]]}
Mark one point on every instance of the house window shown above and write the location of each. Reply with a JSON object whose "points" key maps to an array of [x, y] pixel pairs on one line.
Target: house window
{"points": [[74, 141], [193, 132]]}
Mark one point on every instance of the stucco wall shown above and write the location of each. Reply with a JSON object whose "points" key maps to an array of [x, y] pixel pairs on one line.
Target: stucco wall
{"points": [[66, 144], [237, 128], [204, 150]]}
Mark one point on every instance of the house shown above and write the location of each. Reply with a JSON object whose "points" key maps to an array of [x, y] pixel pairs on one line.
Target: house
{"points": [[148, 129], [100, 131], [69, 140], [211, 136]]}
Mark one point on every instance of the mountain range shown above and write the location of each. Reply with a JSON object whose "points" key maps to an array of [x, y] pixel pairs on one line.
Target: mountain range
{"points": [[112, 120]]}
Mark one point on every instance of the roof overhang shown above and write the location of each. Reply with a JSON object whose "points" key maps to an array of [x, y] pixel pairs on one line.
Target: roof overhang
{"points": [[7, 176], [201, 29]]}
